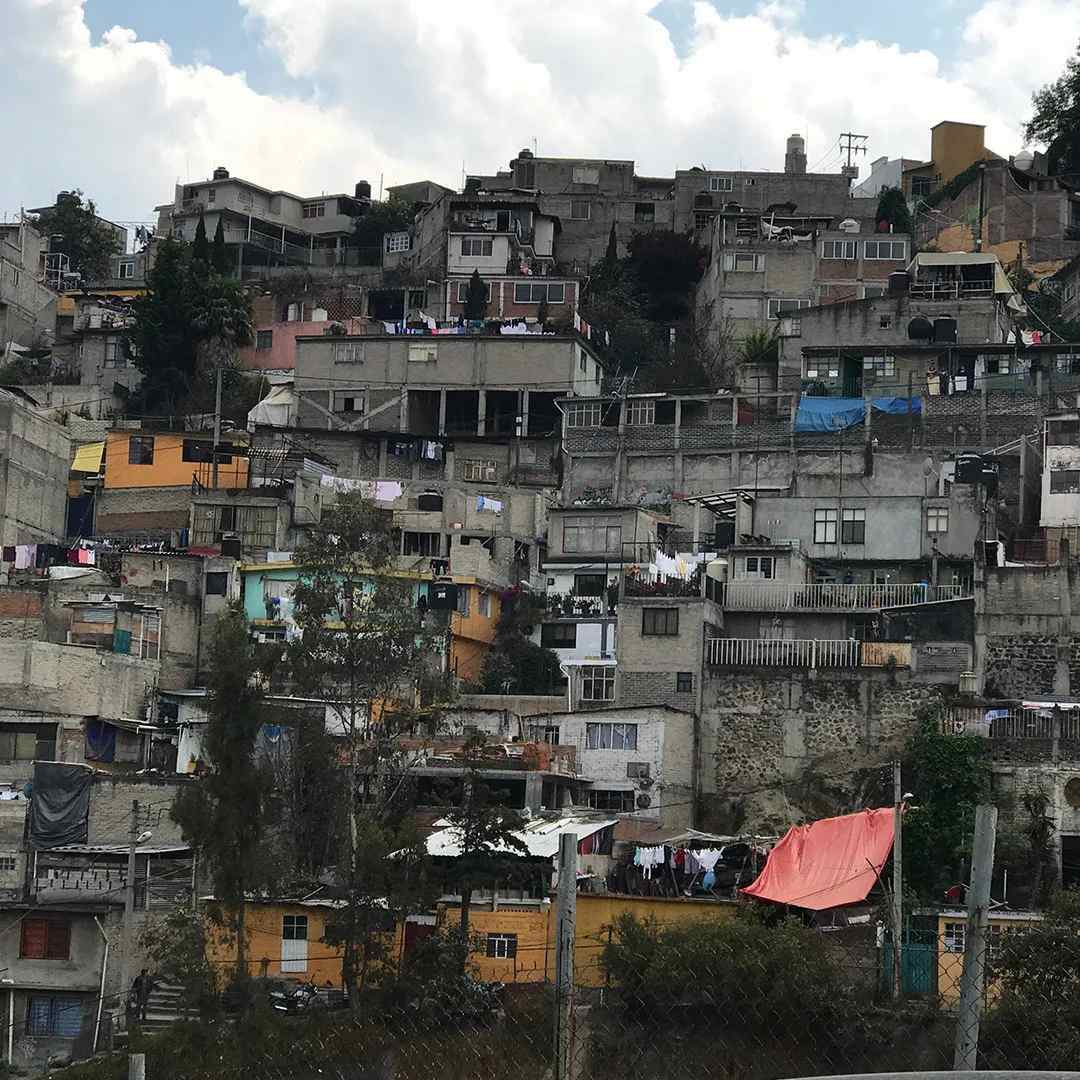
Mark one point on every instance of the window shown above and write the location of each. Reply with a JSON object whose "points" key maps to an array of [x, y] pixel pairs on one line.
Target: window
{"points": [[26, 745], [881, 366], [115, 356], [1065, 481], [937, 518], [141, 450], [294, 928], [923, 185], [314, 209], [422, 543], [264, 340], [591, 534], [659, 622], [637, 770], [8, 862], [954, 937], [590, 584], [611, 736], [476, 246], [644, 213], [585, 174], [211, 194], [45, 939], [502, 946], [778, 308], [54, 1015], [702, 220], [997, 364], [463, 290], [580, 209], [126, 268], [462, 600], [885, 249], [348, 352], [397, 242], [598, 684], [583, 361], [349, 401], [744, 262], [720, 183], [533, 294], [825, 522], [558, 635], [684, 682], [870, 292], [545, 733], [759, 566], [423, 352], [217, 584], [480, 469], [203, 450], [853, 527], [839, 249], [483, 603], [821, 369], [618, 802], [641, 412], [885, 322]]}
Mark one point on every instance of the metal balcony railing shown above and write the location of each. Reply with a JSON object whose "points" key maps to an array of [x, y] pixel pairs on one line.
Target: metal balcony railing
{"points": [[782, 652], [831, 596], [952, 290]]}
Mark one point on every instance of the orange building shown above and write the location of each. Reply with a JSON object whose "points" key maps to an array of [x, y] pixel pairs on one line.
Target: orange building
{"points": [[472, 628], [136, 459]]}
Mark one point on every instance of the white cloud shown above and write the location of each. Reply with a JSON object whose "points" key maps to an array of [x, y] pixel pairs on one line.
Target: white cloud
{"points": [[414, 88]]}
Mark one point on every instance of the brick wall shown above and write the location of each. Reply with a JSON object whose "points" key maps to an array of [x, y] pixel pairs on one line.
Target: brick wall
{"points": [[21, 614], [143, 510], [652, 688]]}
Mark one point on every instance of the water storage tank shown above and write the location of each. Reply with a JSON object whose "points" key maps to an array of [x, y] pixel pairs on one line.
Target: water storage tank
{"points": [[848, 225], [945, 330], [899, 282], [362, 190], [795, 158], [1024, 160], [920, 329], [221, 173]]}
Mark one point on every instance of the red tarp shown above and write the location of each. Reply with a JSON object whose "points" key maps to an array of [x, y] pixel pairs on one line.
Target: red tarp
{"points": [[827, 863]]}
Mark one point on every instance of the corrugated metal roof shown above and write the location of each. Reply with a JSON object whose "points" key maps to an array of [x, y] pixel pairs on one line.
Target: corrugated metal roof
{"points": [[540, 837]]}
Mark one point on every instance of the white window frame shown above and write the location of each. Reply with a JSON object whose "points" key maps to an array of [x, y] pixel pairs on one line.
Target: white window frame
{"points": [[874, 291], [733, 259], [641, 412], [849, 250], [892, 246], [598, 684], [480, 470], [760, 567], [484, 244], [314, 209], [578, 217], [397, 242], [357, 397], [585, 414], [884, 366], [603, 735], [937, 520], [483, 603], [528, 292], [348, 352], [826, 525], [585, 174], [125, 268], [774, 306], [721, 183], [497, 946], [423, 352]]}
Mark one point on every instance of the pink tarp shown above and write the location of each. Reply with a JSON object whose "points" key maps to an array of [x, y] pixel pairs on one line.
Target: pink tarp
{"points": [[827, 863]]}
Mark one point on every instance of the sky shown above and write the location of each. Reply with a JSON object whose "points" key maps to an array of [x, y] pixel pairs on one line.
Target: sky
{"points": [[124, 98]]}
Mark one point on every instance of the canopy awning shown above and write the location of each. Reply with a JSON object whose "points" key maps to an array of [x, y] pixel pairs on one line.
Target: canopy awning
{"points": [[828, 863], [88, 458]]}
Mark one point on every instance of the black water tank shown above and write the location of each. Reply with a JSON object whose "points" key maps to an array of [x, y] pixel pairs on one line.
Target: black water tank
{"points": [[221, 173], [899, 282], [920, 329], [363, 189], [969, 469], [231, 548], [472, 185], [945, 330], [524, 154], [442, 596], [429, 500]]}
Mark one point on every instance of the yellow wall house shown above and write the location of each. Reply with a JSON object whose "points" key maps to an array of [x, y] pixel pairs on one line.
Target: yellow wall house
{"points": [[472, 629], [170, 459], [952, 928]]}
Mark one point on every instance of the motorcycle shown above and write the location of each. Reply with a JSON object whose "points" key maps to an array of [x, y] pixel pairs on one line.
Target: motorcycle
{"points": [[301, 998]]}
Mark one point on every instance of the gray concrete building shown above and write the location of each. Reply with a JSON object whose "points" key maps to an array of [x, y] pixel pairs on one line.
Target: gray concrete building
{"points": [[27, 304]]}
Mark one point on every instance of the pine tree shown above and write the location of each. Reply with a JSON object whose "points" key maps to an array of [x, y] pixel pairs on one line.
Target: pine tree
{"points": [[476, 302], [611, 256], [219, 257], [200, 250], [85, 239], [892, 209]]}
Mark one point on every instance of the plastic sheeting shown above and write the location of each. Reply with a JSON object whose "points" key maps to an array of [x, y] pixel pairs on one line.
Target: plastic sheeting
{"points": [[838, 414], [59, 804], [828, 863]]}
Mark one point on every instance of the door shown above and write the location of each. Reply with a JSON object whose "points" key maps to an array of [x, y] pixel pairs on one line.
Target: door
{"points": [[918, 960], [294, 944]]}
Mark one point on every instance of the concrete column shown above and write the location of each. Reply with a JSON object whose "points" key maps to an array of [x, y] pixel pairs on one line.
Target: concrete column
{"points": [[403, 410], [382, 457], [524, 413], [678, 425], [481, 412], [442, 412], [1064, 636], [697, 525], [982, 413], [534, 790]]}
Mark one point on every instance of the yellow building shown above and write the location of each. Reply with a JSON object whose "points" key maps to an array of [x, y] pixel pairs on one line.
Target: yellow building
{"points": [[951, 933], [473, 630], [954, 147], [518, 946], [135, 459]]}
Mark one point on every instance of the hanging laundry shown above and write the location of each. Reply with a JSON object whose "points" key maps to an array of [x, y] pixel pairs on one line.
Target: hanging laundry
{"points": [[431, 450], [485, 502], [9, 553], [390, 328], [86, 557], [25, 556], [401, 448], [387, 490]]}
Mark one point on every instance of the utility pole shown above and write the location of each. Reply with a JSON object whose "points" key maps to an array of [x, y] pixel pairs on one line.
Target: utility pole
{"points": [[972, 981], [565, 918], [898, 883], [850, 144], [217, 430], [129, 902]]}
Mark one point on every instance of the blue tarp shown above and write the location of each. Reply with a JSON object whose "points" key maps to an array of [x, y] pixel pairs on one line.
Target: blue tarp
{"points": [[838, 414]]}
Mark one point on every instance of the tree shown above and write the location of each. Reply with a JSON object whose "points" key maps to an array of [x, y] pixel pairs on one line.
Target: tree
{"points": [[226, 815], [542, 312], [88, 242], [760, 349], [476, 297], [219, 256], [666, 267], [200, 249], [485, 830], [514, 664], [1055, 120], [380, 218], [221, 317], [611, 255], [364, 647], [892, 209]]}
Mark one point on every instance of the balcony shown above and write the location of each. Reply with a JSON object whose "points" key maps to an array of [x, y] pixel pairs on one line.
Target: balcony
{"points": [[664, 586], [808, 653], [826, 596], [952, 290]]}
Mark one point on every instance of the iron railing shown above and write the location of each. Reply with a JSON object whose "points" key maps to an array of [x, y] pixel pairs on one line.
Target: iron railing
{"points": [[782, 652], [826, 596]]}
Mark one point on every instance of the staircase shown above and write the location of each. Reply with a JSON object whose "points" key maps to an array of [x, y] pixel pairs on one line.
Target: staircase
{"points": [[163, 1008]]}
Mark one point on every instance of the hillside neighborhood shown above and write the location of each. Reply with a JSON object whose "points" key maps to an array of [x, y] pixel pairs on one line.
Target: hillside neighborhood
{"points": [[487, 631]]}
